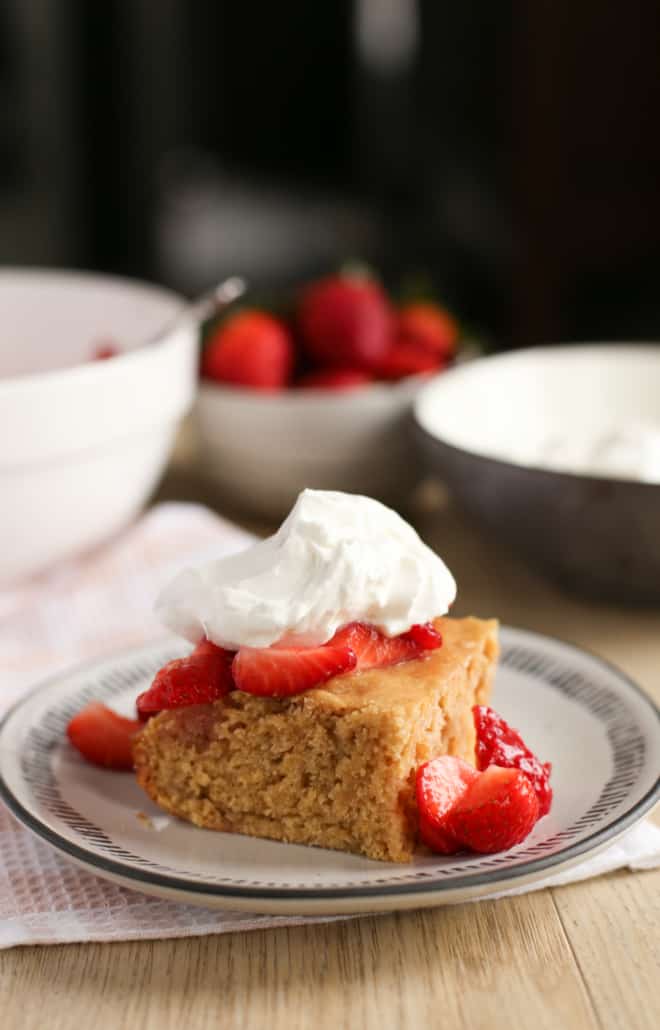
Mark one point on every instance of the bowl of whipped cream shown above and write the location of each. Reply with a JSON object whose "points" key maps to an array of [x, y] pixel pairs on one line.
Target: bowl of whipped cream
{"points": [[556, 452]]}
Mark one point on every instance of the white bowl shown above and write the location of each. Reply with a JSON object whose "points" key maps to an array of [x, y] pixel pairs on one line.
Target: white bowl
{"points": [[82, 442], [262, 449]]}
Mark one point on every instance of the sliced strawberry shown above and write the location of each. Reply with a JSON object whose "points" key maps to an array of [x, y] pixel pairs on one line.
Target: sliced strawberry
{"points": [[499, 809], [345, 320], [408, 359], [207, 647], [334, 379], [250, 349], [439, 786], [499, 744], [374, 650], [425, 635], [103, 737], [283, 671], [428, 326], [196, 680]]}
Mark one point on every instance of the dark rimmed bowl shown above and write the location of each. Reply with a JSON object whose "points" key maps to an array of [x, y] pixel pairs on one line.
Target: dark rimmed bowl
{"points": [[475, 425]]}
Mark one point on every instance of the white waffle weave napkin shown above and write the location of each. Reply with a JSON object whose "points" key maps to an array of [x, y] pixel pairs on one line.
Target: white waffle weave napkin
{"points": [[93, 606]]}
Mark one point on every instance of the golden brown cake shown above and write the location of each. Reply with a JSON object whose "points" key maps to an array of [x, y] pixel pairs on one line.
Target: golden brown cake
{"points": [[334, 766]]}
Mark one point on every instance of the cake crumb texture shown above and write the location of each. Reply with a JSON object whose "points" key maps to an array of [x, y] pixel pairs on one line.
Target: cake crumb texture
{"points": [[334, 766]]}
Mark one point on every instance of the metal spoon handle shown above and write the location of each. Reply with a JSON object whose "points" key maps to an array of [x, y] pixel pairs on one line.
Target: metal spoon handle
{"points": [[205, 306], [213, 300]]}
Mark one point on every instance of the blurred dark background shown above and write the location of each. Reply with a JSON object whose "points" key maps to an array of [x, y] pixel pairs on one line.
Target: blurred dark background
{"points": [[509, 151]]}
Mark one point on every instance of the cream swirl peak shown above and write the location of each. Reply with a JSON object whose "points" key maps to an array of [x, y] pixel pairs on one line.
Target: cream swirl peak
{"points": [[337, 558]]}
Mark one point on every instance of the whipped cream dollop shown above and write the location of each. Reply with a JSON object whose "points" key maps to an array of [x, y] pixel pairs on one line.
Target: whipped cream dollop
{"points": [[337, 558]]}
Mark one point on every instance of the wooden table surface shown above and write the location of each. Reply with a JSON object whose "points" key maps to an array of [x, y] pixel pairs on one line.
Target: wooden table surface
{"points": [[580, 956]]}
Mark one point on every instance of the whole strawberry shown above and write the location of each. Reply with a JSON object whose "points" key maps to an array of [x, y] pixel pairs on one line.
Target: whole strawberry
{"points": [[345, 320], [408, 359], [252, 349], [429, 327]]}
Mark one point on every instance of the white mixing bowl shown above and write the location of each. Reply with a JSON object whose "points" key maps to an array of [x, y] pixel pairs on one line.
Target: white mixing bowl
{"points": [[83, 442], [262, 449]]}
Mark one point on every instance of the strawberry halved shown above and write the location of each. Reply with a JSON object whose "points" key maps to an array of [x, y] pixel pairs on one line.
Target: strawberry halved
{"points": [[199, 679], [499, 744], [499, 809], [439, 785], [284, 671], [103, 737], [374, 650]]}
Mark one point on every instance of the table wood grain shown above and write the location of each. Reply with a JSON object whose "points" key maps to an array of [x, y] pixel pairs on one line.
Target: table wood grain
{"points": [[572, 958]]}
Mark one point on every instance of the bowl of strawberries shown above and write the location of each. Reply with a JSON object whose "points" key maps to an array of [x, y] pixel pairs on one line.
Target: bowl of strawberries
{"points": [[315, 390]]}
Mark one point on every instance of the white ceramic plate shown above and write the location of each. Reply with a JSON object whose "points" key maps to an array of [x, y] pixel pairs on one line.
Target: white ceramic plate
{"points": [[600, 731]]}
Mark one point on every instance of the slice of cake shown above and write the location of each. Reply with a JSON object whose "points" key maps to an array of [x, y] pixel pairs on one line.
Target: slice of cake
{"points": [[333, 766]]}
